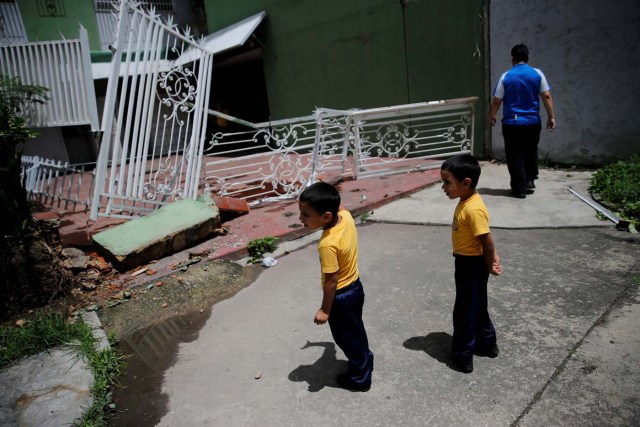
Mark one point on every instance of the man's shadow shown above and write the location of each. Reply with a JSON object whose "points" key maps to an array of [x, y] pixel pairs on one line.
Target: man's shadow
{"points": [[324, 371], [494, 192], [435, 344]]}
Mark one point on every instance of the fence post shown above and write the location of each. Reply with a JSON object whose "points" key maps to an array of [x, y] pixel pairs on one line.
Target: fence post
{"points": [[85, 57], [316, 148], [107, 116], [357, 147]]}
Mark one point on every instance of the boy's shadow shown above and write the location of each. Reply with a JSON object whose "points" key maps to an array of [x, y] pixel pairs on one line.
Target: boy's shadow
{"points": [[494, 192], [435, 344], [324, 371]]}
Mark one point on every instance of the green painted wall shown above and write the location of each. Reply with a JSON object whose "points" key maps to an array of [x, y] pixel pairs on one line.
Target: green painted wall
{"points": [[367, 53], [446, 55], [45, 28]]}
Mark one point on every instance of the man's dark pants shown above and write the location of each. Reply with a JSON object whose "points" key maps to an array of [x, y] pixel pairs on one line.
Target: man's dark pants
{"points": [[347, 328], [472, 327], [521, 149]]}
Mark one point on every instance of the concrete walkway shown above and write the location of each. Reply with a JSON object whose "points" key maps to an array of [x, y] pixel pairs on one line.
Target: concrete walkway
{"points": [[551, 206], [565, 310]]}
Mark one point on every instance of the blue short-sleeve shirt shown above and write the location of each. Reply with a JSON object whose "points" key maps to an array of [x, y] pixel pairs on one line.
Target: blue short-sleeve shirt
{"points": [[520, 88]]}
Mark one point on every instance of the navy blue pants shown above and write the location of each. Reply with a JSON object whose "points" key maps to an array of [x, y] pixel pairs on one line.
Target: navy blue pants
{"points": [[521, 150], [472, 327], [347, 328]]}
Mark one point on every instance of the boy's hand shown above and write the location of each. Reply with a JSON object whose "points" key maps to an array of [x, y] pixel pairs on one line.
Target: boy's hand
{"points": [[321, 317], [496, 269]]}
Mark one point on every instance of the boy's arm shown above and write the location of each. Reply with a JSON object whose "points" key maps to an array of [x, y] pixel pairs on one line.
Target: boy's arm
{"points": [[328, 295], [490, 255]]}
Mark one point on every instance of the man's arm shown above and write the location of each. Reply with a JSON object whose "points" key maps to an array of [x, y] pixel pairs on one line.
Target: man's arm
{"points": [[491, 258], [547, 100], [495, 106], [328, 295]]}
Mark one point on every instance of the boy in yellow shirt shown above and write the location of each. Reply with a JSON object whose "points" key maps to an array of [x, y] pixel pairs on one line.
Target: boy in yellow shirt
{"points": [[343, 296], [475, 257]]}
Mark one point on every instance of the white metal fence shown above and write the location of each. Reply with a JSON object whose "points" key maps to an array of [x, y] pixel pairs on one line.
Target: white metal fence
{"points": [[408, 137], [107, 18], [64, 67], [57, 184], [154, 121], [277, 159]]}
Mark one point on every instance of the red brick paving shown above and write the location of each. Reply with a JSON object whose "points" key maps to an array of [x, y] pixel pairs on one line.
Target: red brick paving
{"points": [[277, 219]]}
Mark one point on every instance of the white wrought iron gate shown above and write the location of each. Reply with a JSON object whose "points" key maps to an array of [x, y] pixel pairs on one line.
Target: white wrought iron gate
{"points": [[154, 121]]}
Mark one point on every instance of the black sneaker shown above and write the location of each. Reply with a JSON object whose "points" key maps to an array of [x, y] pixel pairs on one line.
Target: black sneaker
{"points": [[345, 382], [491, 352]]}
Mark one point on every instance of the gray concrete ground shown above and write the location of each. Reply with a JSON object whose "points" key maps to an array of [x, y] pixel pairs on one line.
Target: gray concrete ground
{"points": [[565, 310]]}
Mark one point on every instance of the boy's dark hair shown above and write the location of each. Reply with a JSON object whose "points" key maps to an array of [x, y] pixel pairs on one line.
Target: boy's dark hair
{"points": [[321, 197], [463, 166], [520, 53]]}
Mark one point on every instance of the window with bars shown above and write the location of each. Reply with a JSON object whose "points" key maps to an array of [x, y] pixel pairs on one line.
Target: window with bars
{"points": [[162, 6], [11, 26], [51, 8]]}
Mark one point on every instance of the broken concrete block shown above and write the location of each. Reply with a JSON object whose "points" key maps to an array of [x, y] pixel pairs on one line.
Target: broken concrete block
{"points": [[163, 232], [229, 207]]}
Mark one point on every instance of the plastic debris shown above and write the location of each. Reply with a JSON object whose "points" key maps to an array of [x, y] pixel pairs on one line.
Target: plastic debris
{"points": [[269, 262]]}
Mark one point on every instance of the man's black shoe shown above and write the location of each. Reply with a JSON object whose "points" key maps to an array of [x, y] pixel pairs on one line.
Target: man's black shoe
{"points": [[488, 352], [519, 195], [530, 185], [462, 365], [345, 382]]}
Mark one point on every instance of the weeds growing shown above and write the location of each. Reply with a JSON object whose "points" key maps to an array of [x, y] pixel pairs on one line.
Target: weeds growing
{"points": [[46, 331], [618, 187], [258, 247]]}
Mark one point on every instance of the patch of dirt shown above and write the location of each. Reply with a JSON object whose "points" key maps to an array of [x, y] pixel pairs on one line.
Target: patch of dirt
{"points": [[183, 292]]}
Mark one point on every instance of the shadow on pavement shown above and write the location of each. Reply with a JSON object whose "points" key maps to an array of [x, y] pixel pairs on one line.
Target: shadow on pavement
{"points": [[435, 344], [494, 192], [323, 372]]}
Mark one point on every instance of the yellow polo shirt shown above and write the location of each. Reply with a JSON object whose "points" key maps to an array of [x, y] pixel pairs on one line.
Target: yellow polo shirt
{"points": [[470, 220], [338, 250]]}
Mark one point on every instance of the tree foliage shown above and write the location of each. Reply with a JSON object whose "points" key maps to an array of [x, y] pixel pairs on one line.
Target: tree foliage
{"points": [[18, 233]]}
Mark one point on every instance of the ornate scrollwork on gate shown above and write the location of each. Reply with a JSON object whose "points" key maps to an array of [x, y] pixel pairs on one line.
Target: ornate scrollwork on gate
{"points": [[458, 133], [163, 182], [280, 137], [289, 172], [177, 91], [392, 141]]}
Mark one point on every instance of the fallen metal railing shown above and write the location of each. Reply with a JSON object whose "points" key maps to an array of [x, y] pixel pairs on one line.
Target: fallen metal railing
{"points": [[275, 160], [58, 184], [412, 137]]}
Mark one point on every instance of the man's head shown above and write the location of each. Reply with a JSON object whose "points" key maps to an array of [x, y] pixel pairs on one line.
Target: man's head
{"points": [[460, 176], [519, 53], [319, 204]]}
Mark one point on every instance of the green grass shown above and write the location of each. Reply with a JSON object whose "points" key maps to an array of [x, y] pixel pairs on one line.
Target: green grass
{"points": [[45, 331], [617, 186]]}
